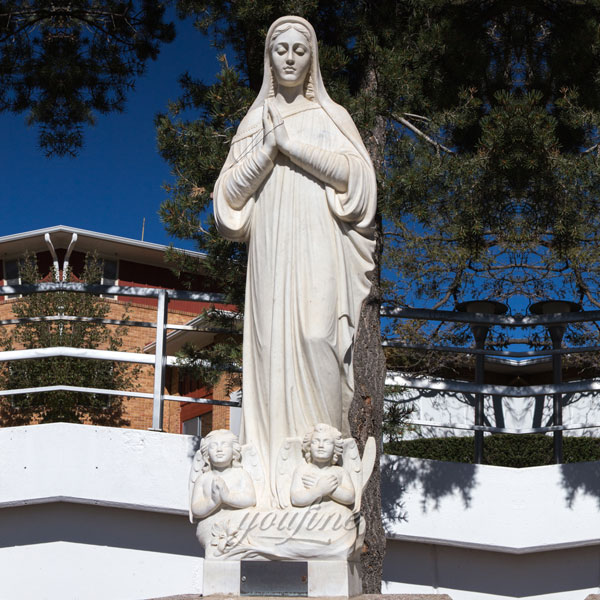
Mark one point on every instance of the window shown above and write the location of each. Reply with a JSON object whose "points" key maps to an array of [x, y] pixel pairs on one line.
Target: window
{"points": [[199, 425], [11, 274], [192, 426], [110, 273]]}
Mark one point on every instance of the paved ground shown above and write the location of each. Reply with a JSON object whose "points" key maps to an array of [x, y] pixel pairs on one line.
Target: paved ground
{"points": [[364, 597]]}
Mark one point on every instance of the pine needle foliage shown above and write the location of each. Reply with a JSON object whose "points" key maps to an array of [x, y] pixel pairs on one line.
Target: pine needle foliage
{"points": [[70, 407], [509, 210], [64, 62], [486, 116]]}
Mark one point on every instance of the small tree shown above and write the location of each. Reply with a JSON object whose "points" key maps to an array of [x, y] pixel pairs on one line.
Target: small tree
{"points": [[72, 407]]}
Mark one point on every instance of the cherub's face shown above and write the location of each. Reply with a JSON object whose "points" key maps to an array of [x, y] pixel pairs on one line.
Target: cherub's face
{"points": [[290, 58], [220, 452], [322, 446]]}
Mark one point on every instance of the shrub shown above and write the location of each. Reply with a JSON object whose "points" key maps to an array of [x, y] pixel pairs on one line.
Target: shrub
{"points": [[502, 450]]}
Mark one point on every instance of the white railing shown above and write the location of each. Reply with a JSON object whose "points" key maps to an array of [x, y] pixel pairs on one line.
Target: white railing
{"points": [[159, 359], [558, 390]]}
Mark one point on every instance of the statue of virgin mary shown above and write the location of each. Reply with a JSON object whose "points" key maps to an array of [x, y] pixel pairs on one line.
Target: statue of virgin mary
{"points": [[299, 187]]}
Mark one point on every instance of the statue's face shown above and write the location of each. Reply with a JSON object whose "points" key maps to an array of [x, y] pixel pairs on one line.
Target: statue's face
{"points": [[322, 446], [220, 452], [290, 58]]}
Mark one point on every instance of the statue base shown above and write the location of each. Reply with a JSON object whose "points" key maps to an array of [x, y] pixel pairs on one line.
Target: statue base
{"points": [[303, 540], [323, 578], [326, 531]]}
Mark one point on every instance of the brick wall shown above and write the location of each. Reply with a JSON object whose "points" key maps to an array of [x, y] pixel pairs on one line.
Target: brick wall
{"points": [[138, 411], [219, 418]]}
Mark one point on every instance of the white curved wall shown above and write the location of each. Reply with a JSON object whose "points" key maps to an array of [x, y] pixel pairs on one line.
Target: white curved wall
{"points": [[90, 513], [100, 465], [93, 513], [481, 532]]}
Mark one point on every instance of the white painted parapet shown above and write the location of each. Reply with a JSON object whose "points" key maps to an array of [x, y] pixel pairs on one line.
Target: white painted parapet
{"points": [[492, 508], [477, 531], [90, 513], [104, 466]]}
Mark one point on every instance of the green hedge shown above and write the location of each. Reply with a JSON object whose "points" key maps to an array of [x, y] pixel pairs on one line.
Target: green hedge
{"points": [[503, 450]]}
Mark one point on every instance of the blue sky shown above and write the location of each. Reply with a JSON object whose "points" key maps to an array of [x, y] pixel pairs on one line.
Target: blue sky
{"points": [[115, 181]]}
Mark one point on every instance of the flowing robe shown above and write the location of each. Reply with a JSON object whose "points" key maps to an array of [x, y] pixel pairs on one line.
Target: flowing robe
{"points": [[310, 249]]}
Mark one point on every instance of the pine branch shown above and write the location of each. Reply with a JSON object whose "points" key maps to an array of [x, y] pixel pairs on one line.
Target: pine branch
{"points": [[583, 286], [452, 289], [421, 134]]}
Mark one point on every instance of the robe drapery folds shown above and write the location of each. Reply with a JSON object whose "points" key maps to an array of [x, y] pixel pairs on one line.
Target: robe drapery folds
{"points": [[310, 249]]}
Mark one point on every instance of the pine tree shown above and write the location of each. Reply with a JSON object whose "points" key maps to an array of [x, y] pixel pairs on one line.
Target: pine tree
{"points": [[63, 63], [482, 121], [71, 407], [499, 199]]}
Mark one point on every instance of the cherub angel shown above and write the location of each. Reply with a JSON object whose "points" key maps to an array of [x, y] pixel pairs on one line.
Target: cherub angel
{"points": [[319, 478], [321, 467], [222, 475]]}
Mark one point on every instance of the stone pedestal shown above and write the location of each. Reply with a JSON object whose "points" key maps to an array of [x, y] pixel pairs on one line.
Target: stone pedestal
{"points": [[325, 578], [221, 577], [362, 597], [333, 578]]}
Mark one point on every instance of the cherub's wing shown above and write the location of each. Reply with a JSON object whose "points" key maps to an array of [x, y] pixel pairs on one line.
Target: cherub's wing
{"points": [[195, 472], [289, 457], [353, 466], [359, 470], [252, 464], [368, 460]]}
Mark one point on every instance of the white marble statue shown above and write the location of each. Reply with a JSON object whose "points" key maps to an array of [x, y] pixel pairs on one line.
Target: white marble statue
{"points": [[323, 467], [320, 480], [218, 479], [299, 187]]}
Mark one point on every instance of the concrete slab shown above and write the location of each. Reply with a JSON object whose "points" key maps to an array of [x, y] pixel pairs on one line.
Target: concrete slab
{"points": [[362, 597]]}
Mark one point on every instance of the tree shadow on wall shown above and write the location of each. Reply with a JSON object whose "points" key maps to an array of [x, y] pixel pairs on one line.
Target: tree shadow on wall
{"points": [[580, 478], [433, 480]]}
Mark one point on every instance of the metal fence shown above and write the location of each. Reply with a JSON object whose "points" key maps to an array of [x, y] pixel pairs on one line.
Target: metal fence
{"points": [[158, 359], [556, 390]]}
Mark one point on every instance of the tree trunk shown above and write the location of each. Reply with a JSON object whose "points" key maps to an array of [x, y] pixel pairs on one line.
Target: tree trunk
{"points": [[366, 412], [366, 418]]}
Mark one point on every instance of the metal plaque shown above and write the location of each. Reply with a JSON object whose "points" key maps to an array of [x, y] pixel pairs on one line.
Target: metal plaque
{"points": [[273, 578]]}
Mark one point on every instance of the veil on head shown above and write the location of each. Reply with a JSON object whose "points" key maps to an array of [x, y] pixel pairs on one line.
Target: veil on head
{"points": [[315, 71], [338, 115]]}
